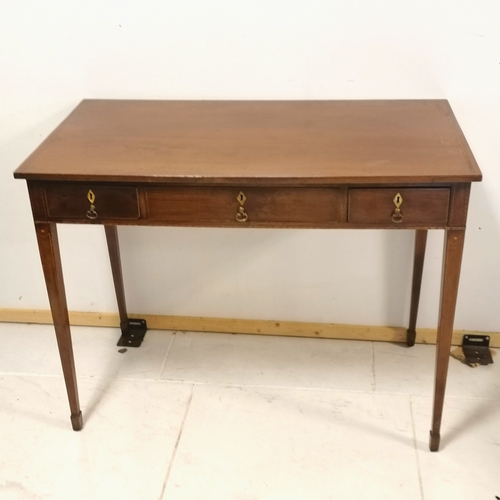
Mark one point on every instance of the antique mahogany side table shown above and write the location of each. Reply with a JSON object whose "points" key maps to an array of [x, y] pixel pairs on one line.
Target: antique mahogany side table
{"points": [[277, 164]]}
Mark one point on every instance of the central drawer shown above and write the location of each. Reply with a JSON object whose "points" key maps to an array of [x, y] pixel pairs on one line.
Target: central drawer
{"points": [[234, 205]]}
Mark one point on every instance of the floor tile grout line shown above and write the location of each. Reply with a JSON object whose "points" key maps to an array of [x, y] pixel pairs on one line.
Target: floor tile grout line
{"points": [[415, 445], [174, 453], [30, 374], [249, 386], [374, 375], [267, 386], [166, 355]]}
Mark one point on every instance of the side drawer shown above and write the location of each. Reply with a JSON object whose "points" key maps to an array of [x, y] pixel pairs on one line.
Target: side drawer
{"points": [[72, 201], [417, 205], [260, 205]]}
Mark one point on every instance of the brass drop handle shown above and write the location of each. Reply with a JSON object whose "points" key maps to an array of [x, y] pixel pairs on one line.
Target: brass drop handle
{"points": [[241, 215], [397, 216], [91, 213]]}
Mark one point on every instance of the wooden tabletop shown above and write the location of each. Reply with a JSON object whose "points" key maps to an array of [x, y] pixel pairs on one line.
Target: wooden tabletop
{"points": [[276, 142]]}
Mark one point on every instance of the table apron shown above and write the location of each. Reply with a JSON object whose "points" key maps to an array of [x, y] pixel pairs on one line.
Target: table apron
{"points": [[330, 207]]}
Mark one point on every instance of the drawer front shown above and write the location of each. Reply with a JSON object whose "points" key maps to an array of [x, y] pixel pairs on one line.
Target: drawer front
{"points": [[68, 201], [243, 205], [416, 205]]}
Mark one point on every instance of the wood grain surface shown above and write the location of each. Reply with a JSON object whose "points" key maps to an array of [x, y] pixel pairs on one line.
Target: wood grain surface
{"points": [[281, 142]]}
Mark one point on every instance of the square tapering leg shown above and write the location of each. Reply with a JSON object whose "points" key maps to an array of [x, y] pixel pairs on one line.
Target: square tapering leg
{"points": [[452, 259], [48, 245]]}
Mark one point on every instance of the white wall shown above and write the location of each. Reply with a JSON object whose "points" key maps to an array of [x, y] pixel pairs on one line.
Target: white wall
{"points": [[54, 53]]}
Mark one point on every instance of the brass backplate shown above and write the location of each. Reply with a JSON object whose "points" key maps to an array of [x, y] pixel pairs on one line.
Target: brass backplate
{"points": [[241, 198]]}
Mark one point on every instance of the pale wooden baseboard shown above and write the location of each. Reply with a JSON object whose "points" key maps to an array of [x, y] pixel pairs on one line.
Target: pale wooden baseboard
{"points": [[231, 325]]}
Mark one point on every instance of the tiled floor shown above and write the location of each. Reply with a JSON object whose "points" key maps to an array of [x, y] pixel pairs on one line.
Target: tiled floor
{"points": [[212, 416]]}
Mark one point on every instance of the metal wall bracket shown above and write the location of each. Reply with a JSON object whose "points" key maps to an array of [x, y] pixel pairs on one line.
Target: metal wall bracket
{"points": [[133, 333], [477, 349]]}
